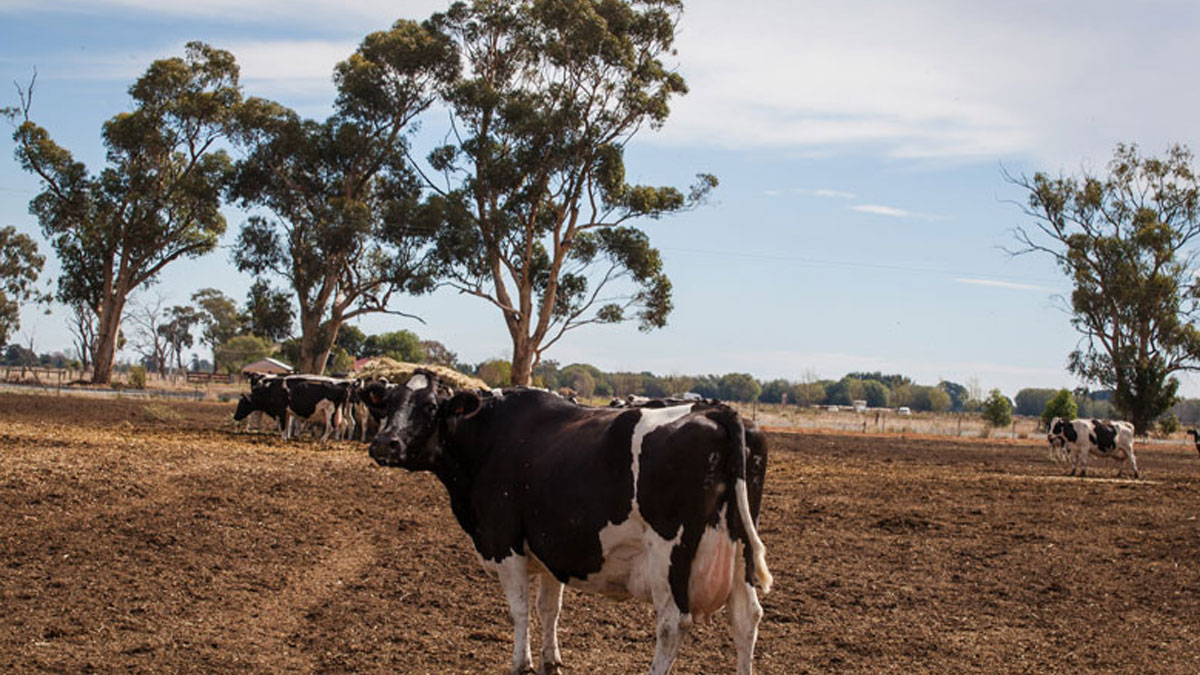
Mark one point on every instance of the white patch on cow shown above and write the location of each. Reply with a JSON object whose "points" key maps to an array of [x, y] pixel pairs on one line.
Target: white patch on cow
{"points": [[418, 382], [651, 419], [635, 559], [514, 577]]}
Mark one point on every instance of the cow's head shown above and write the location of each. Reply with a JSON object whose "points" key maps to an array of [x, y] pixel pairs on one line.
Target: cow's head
{"points": [[416, 411], [244, 408], [1059, 432]]}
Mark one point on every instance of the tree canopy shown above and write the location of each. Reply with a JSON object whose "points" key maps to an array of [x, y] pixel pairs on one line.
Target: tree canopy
{"points": [[341, 191], [1122, 238], [531, 207], [157, 200], [20, 265]]}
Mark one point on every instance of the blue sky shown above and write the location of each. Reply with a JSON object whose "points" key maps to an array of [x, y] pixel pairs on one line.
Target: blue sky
{"points": [[862, 212]]}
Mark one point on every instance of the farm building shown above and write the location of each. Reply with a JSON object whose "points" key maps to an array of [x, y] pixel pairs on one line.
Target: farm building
{"points": [[267, 367]]}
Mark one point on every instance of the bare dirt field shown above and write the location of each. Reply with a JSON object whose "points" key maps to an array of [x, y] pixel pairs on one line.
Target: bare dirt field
{"points": [[150, 537]]}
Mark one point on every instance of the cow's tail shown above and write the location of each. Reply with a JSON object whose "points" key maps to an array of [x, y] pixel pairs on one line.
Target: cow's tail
{"points": [[732, 422]]}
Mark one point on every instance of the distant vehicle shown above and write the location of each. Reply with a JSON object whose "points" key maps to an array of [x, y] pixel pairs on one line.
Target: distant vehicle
{"points": [[903, 410], [859, 406]]}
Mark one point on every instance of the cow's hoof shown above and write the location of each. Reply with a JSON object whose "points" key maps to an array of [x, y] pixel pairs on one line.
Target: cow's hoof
{"points": [[552, 668]]}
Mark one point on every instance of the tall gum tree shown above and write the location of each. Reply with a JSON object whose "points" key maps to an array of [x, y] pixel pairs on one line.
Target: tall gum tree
{"points": [[529, 200], [340, 193], [157, 200], [20, 265], [1124, 241]]}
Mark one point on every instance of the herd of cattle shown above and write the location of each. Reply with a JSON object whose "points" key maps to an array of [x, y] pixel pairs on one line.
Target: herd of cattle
{"points": [[656, 499], [343, 408]]}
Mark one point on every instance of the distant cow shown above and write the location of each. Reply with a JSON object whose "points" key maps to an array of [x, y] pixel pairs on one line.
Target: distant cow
{"points": [[318, 399], [1195, 438], [658, 504], [268, 396], [1077, 439], [294, 400]]}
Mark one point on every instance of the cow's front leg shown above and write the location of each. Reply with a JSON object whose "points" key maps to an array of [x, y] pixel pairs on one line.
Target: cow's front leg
{"points": [[514, 577], [549, 603], [744, 615]]}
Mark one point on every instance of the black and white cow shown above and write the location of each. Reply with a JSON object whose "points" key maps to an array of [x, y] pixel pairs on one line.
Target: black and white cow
{"points": [[1077, 439], [654, 503], [268, 396], [369, 403], [323, 400], [1195, 438], [294, 400]]}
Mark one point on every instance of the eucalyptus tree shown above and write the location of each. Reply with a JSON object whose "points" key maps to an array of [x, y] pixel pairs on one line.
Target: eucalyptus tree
{"points": [[157, 200], [533, 212], [218, 316], [20, 265], [340, 194], [177, 331], [1124, 239], [268, 312]]}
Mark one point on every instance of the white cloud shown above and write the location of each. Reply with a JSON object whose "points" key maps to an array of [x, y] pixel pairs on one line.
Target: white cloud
{"points": [[830, 194], [317, 13], [931, 79], [878, 210], [1003, 284]]}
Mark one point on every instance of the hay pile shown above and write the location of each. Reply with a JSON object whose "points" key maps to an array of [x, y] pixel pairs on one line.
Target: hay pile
{"points": [[400, 371]]}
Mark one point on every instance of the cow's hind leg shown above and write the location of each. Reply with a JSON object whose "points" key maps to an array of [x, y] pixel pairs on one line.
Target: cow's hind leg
{"points": [[744, 615], [514, 577], [673, 626], [549, 603]]}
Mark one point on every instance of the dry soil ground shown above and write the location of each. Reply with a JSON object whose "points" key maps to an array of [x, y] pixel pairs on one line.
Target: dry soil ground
{"points": [[149, 537]]}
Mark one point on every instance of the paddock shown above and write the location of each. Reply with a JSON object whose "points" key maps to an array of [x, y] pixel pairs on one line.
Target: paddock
{"points": [[151, 536]]}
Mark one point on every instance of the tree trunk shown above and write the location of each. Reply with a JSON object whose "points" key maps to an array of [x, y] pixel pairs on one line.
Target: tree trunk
{"points": [[316, 341], [522, 362], [106, 342]]}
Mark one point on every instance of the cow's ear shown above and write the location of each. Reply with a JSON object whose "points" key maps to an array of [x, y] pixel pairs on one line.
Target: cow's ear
{"points": [[463, 404]]}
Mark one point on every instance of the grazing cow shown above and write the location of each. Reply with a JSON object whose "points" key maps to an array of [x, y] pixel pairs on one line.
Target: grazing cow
{"points": [[1076, 439], [1195, 438], [320, 399], [657, 504], [268, 396]]}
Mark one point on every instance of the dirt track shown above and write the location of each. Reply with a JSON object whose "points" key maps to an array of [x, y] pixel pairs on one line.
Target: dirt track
{"points": [[150, 537]]}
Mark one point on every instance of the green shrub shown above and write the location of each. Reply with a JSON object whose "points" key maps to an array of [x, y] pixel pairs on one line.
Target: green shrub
{"points": [[1168, 424], [1061, 404], [997, 409], [137, 377]]}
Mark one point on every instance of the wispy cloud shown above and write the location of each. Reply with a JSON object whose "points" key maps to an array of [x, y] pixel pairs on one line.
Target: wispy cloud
{"points": [[1012, 285], [292, 12], [932, 80], [828, 194], [876, 209]]}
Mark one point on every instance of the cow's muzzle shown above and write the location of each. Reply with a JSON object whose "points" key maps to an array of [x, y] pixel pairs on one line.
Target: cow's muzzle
{"points": [[386, 451]]}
